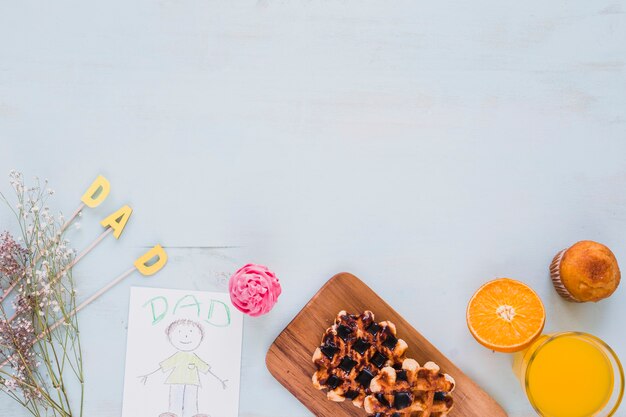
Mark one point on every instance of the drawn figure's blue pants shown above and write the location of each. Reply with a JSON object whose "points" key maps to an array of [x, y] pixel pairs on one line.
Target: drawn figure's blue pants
{"points": [[184, 400]]}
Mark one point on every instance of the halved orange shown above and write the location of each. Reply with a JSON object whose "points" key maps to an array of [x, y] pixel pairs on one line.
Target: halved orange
{"points": [[505, 315]]}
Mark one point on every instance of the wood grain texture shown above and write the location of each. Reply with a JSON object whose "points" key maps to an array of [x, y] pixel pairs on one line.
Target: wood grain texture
{"points": [[289, 357]]}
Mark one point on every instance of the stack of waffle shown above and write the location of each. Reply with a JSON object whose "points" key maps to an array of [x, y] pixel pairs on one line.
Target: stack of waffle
{"points": [[363, 361]]}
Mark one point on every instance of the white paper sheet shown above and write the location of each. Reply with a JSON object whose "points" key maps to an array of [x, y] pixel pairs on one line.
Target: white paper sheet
{"points": [[183, 354]]}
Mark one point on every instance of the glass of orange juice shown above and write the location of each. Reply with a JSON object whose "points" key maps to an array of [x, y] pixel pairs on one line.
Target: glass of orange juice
{"points": [[571, 374]]}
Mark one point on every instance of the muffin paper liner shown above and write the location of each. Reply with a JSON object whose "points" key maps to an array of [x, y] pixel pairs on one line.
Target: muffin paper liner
{"points": [[555, 274]]}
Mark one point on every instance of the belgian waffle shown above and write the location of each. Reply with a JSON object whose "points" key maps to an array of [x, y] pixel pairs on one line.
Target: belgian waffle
{"points": [[352, 353], [410, 390]]}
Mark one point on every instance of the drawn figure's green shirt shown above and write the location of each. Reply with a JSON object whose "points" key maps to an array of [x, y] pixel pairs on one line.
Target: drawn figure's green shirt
{"points": [[185, 367]]}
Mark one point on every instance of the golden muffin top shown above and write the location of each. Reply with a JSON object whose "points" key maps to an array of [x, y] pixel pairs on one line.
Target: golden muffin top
{"points": [[589, 271]]}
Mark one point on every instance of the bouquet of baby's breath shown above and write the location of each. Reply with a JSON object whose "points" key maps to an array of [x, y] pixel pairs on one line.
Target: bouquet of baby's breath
{"points": [[39, 338]]}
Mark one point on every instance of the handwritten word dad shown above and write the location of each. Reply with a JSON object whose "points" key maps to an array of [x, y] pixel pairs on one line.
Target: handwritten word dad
{"points": [[217, 313]]}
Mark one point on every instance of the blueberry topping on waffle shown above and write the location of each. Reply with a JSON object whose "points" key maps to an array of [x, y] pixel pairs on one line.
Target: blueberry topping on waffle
{"points": [[344, 332], [373, 328], [347, 364], [440, 396], [351, 394], [329, 351], [361, 346], [333, 382], [365, 377], [378, 359], [390, 342], [402, 400], [364, 361], [421, 391]]}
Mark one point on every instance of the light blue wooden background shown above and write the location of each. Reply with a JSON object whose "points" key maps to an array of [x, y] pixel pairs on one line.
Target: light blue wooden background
{"points": [[424, 146]]}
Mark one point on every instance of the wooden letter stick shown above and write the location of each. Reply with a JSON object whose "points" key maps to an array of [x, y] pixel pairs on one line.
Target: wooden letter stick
{"points": [[8, 291], [70, 265], [148, 264], [84, 304], [93, 197], [71, 219]]}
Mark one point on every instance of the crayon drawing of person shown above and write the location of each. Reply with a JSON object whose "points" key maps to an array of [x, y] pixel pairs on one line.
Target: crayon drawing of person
{"points": [[184, 368]]}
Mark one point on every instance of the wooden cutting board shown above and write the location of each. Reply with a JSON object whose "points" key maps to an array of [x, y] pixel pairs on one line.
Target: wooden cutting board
{"points": [[289, 357]]}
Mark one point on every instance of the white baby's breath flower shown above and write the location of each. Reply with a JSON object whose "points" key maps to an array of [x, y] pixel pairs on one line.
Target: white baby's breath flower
{"points": [[43, 293], [10, 384]]}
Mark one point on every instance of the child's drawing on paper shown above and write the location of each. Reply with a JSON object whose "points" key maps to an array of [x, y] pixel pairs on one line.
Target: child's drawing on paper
{"points": [[184, 369], [184, 354]]}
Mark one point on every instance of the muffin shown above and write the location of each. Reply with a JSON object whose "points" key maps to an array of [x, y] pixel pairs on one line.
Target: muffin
{"points": [[586, 271]]}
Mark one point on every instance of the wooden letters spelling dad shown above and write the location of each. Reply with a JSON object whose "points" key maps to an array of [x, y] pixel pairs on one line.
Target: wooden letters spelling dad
{"points": [[150, 262]]}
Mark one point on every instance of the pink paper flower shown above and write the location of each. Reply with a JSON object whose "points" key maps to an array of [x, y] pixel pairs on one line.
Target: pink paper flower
{"points": [[254, 289]]}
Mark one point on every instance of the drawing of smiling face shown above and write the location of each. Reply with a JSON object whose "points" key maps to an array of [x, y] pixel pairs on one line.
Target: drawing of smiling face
{"points": [[186, 337]]}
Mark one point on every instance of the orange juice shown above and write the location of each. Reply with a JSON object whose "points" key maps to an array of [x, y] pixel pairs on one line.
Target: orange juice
{"points": [[570, 375]]}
